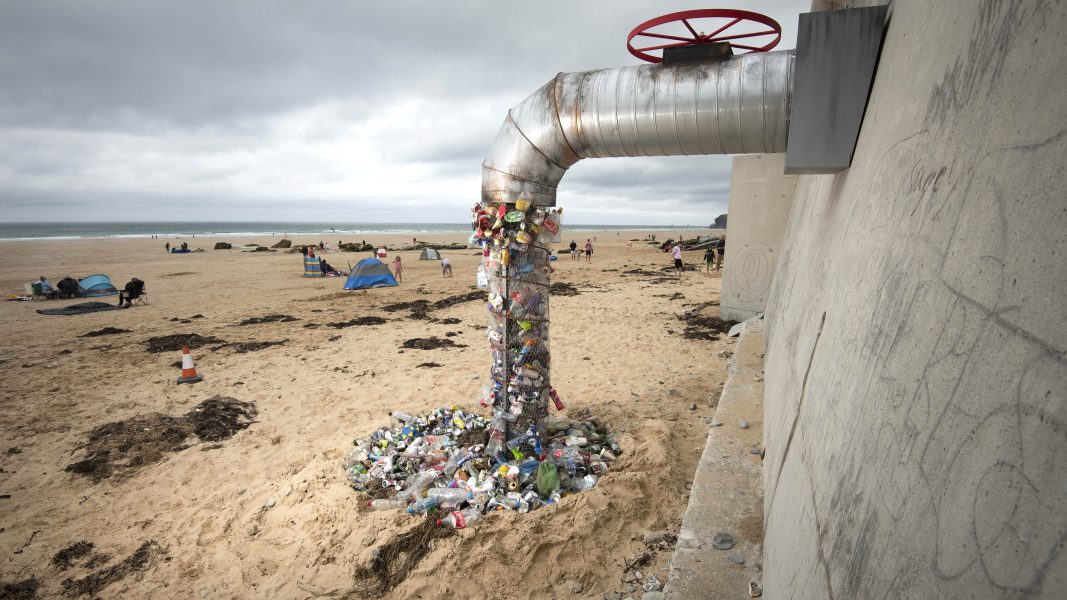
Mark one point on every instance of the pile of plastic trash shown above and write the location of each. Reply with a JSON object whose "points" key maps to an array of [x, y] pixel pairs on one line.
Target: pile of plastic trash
{"points": [[463, 466], [438, 464]]}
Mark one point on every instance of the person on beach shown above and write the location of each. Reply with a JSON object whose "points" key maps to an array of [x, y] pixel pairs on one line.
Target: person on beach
{"points": [[720, 253], [588, 250], [709, 258], [677, 253], [167, 247], [47, 288], [398, 269], [446, 268], [133, 290], [68, 287], [574, 250]]}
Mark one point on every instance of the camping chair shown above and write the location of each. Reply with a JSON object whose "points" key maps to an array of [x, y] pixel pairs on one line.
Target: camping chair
{"points": [[135, 293], [143, 298], [37, 292]]}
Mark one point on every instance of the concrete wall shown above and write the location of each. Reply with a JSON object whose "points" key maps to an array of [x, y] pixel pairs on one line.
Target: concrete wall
{"points": [[760, 199], [916, 361]]}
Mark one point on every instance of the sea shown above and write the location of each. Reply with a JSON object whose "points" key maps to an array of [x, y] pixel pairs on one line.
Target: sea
{"points": [[147, 229]]}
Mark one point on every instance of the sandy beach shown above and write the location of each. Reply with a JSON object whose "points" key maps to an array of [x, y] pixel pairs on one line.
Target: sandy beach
{"points": [[268, 513]]}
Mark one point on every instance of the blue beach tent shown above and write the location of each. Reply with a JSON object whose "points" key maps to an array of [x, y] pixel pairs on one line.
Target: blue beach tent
{"points": [[370, 273], [97, 285]]}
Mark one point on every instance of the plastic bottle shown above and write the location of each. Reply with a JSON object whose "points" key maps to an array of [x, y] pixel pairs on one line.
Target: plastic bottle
{"points": [[555, 399], [401, 416], [356, 478], [457, 495], [455, 461], [496, 434], [414, 447], [575, 440], [423, 505], [416, 484], [460, 519], [583, 484], [512, 501], [385, 504]]}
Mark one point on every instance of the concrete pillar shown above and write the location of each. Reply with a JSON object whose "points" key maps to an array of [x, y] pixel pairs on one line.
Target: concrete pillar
{"points": [[761, 196]]}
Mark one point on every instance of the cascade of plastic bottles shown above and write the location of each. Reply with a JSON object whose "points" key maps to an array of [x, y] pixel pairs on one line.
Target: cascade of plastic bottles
{"points": [[439, 463], [515, 268]]}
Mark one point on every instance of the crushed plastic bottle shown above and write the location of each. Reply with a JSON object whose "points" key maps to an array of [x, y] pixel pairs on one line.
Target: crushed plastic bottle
{"points": [[460, 518]]}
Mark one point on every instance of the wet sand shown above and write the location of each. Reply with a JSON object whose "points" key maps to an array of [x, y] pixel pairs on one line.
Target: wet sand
{"points": [[618, 353]]}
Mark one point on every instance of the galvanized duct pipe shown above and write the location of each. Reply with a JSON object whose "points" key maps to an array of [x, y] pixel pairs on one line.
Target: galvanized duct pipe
{"points": [[736, 106]]}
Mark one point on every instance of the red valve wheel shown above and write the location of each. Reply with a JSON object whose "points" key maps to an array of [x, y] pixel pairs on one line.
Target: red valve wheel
{"points": [[725, 25]]}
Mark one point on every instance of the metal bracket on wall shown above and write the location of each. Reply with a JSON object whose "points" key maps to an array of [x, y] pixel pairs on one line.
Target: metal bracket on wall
{"points": [[837, 53]]}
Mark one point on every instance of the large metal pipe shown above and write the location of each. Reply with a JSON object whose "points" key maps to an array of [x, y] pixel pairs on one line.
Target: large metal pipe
{"points": [[736, 106]]}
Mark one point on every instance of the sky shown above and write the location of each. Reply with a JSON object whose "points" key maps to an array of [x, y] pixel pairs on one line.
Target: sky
{"points": [[143, 110]]}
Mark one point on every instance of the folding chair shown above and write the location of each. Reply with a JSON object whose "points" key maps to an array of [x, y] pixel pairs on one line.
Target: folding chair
{"points": [[36, 291], [143, 298]]}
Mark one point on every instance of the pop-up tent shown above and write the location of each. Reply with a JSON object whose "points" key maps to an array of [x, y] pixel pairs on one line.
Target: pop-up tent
{"points": [[370, 273], [97, 285], [430, 254]]}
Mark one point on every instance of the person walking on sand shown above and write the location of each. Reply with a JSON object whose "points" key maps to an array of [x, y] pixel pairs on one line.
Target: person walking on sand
{"points": [[167, 247], [709, 258], [678, 258], [720, 253], [588, 250], [446, 268], [398, 269], [574, 250]]}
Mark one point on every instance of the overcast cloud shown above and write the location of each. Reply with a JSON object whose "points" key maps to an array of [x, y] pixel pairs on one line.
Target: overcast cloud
{"points": [[316, 111]]}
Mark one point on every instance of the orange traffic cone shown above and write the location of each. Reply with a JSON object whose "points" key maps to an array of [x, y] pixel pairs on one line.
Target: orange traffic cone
{"points": [[188, 370]]}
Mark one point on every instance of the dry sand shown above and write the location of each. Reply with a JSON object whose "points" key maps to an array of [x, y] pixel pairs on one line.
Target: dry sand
{"points": [[617, 349]]}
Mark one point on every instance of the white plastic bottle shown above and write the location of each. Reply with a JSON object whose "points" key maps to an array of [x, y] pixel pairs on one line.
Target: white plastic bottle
{"points": [[401, 416], [385, 504], [456, 495]]}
